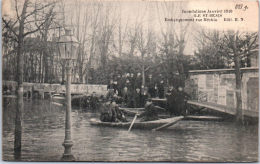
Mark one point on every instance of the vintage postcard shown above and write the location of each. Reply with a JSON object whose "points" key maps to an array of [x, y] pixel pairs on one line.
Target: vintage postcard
{"points": [[130, 81]]}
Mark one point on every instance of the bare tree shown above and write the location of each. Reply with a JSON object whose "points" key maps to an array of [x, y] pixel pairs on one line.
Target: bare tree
{"points": [[174, 35], [23, 20], [106, 29], [209, 53], [236, 45]]}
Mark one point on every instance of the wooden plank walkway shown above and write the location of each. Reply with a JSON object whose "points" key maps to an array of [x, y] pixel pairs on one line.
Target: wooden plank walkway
{"points": [[158, 99], [223, 108]]}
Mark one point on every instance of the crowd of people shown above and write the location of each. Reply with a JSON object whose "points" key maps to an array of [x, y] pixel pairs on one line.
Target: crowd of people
{"points": [[129, 91]]}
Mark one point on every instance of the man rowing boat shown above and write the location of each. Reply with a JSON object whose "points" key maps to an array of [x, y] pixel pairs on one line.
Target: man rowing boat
{"points": [[151, 111], [110, 113]]}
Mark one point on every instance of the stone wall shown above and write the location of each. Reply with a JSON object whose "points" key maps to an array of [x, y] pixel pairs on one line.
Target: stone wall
{"points": [[219, 86], [57, 88]]}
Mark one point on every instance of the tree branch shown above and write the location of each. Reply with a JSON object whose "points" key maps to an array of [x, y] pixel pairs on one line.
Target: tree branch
{"points": [[9, 27]]}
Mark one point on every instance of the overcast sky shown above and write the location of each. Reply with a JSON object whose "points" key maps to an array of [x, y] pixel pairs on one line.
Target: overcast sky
{"points": [[152, 14]]}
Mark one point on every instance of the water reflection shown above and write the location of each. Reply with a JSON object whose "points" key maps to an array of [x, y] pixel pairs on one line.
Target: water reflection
{"points": [[43, 135]]}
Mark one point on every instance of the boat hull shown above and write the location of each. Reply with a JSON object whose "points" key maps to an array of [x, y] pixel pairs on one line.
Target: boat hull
{"points": [[137, 125]]}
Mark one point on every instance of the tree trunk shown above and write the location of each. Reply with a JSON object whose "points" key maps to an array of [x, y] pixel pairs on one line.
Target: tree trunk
{"points": [[31, 68], [180, 65], [239, 114], [143, 71], [40, 68], [19, 107]]}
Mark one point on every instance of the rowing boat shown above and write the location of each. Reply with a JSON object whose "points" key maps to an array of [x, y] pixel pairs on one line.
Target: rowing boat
{"points": [[137, 125], [134, 111]]}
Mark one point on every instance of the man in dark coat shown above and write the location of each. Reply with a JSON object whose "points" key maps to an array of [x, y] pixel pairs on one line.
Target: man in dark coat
{"points": [[118, 115], [144, 95], [151, 111], [94, 101], [120, 85], [151, 86], [137, 98], [161, 89], [106, 114], [110, 113], [171, 100], [110, 85], [125, 94], [115, 87], [181, 99]]}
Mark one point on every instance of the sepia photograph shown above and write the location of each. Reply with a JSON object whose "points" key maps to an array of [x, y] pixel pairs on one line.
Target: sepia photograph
{"points": [[130, 81]]}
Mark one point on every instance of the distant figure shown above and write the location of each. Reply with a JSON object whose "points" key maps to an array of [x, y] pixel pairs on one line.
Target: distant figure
{"points": [[94, 101], [130, 92], [110, 94], [161, 89], [124, 95], [110, 85], [151, 87], [115, 86], [137, 98], [138, 81], [171, 100], [120, 85], [155, 91], [144, 95], [181, 99]]}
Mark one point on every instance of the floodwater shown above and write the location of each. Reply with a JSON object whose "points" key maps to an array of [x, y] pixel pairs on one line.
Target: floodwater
{"points": [[186, 141]]}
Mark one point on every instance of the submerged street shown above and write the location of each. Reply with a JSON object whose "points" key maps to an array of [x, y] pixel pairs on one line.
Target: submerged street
{"points": [[187, 141]]}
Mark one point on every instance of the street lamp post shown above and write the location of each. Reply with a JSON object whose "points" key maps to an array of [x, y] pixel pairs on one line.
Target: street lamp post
{"points": [[68, 46]]}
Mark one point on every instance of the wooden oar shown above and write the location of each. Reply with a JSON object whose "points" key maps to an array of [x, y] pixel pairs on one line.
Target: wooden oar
{"points": [[132, 122], [169, 124]]}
